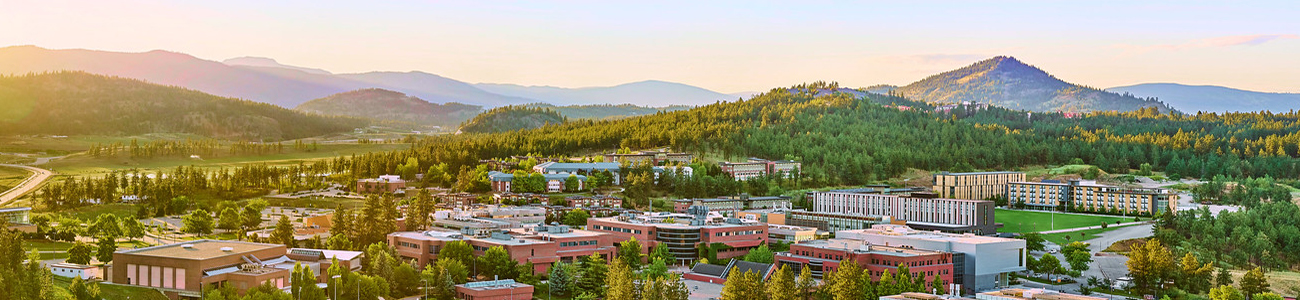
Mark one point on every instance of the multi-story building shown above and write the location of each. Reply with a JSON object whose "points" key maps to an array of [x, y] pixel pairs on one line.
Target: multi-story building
{"points": [[757, 167], [769, 216], [683, 233], [979, 262], [505, 289], [18, 218], [526, 198], [1031, 294], [383, 184], [831, 222], [537, 247], [652, 157], [1091, 197], [594, 201], [974, 185], [501, 182], [728, 205], [790, 234], [821, 256], [919, 210], [178, 270], [613, 168], [456, 199]]}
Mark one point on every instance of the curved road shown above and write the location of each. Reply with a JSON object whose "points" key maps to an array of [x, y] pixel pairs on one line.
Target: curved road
{"points": [[30, 184]]}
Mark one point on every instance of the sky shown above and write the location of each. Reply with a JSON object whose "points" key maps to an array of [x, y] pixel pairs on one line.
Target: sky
{"points": [[726, 46]]}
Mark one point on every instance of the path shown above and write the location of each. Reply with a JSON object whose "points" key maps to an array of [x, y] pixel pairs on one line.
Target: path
{"points": [[1112, 265], [28, 185], [1094, 227]]}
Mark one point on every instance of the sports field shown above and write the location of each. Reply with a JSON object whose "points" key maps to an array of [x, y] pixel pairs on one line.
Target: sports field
{"points": [[1021, 221]]}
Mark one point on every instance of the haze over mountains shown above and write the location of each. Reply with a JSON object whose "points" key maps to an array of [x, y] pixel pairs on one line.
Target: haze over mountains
{"points": [[1208, 98], [644, 93]]}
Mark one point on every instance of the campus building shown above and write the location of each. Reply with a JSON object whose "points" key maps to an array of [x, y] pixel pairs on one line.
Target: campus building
{"points": [[919, 210], [651, 157], [1091, 197], [537, 247], [733, 204], [1031, 294], [594, 201], [383, 184], [613, 168], [178, 270], [18, 218], [821, 256], [974, 185], [501, 182], [757, 167], [979, 262], [790, 234], [683, 233], [831, 222], [506, 289]]}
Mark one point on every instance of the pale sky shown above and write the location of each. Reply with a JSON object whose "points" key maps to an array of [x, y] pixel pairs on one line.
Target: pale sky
{"points": [[719, 45]]}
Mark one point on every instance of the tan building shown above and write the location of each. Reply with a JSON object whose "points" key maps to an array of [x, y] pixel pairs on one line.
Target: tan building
{"points": [[506, 289], [178, 270], [1031, 294], [383, 184], [1091, 197], [974, 185]]}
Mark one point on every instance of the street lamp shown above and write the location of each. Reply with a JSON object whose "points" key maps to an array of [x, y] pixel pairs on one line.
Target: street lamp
{"points": [[336, 285], [426, 288]]}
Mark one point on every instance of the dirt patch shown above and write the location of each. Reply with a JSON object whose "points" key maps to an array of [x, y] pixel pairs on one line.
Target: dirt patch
{"points": [[1124, 245]]}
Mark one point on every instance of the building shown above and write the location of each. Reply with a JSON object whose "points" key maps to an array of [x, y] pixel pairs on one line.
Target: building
{"points": [[832, 222], [1031, 294], [652, 157], [822, 256], [790, 234], [974, 185], [920, 210], [321, 259], [757, 167], [718, 274], [683, 233], [1091, 197], [76, 270], [527, 198], [456, 199], [882, 189], [501, 182], [383, 184], [979, 262], [18, 218], [515, 215], [594, 201], [506, 289], [613, 168], [538, 246], [728, 205], [178, 270], [769, 216], [926, 296]]}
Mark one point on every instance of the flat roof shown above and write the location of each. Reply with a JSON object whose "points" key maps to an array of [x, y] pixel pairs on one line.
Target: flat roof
{"points": [[979, 173], [907, 232], [201, 249], [857, 246], [14, 209], [674, 225], [1039, 294]]}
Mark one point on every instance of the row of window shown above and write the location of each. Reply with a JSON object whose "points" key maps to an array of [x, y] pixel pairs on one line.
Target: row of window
{"points": [[617, 229], [578, 243], [740, 232], [408, 245]]}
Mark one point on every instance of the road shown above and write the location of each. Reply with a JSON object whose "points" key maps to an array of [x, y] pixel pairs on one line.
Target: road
{"points": [[30, 184]]}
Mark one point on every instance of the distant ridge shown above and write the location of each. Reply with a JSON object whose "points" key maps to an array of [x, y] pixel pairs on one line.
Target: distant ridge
{"points": [[1005, 81], [1210, 98], [653, 93], [381, 104]]}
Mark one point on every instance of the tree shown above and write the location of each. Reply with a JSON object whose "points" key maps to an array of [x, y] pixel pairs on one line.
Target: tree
{"points": [[742, 286], [594, 275], [576, 217], [660, 252], [1195, 277], [846, 281], [562, 278], [252, 214], [455, 271], [629, 252], [197, 222], [339, 242], [1144, 169], [1076, 254], [761, 254], [132, 229], [406, 281], [303, 284], [674, 288], [1034, 241], [106, 249], [497, 263], [1254, 282], [655, 270], [79, 253], [459, 251], [1150, 264], [24, 276], [1266, 296], [805, 283], [620, 284], [283, 233], [782, 285], [1049, 264], [937, 286], [229, 219], [82, 290], [571, 184], [420, 212], [1223, 277], [1225, 292], [105, 227]]}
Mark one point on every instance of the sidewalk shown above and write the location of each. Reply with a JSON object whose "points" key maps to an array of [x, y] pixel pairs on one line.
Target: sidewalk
{"points": [[1094, 227]]}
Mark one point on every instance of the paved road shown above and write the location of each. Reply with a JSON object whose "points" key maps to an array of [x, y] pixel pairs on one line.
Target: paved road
{"points": [[38, 176], [1094, 227]]}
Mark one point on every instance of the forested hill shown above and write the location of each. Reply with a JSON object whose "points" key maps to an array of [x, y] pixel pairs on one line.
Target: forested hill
{"points": [[66, 103], [381, 104], [607, 111], [511, 118], [1006, 82]]}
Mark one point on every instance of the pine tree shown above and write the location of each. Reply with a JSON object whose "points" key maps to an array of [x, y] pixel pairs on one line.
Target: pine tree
{"points": [[283, 233], [105, 250], [805, 284], [847, 281], [629, 252], [619, 282], [781, 286], [1254, 282], [83, 290], [1223, 277], [594, 275]]}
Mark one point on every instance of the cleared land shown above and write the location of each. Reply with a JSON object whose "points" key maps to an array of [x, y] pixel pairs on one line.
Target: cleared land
{"points": [[81, 165], [1021, 221], [10, 177]]}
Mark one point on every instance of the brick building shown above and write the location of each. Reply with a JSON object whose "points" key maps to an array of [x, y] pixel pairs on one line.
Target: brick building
{"points": [[757, 167], [594, 201], [825, 255], [538, 246], [683, 233], [383, 184], [979, 262], [178, 270]]}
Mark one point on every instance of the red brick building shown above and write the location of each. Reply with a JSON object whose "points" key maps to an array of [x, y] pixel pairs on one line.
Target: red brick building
{"points": [[494, 290], [594, 201], [383, 184], [536, 246], [683, 233], [825, 255]]}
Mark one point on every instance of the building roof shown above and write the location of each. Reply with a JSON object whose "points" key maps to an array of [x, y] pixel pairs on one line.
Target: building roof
{"points": [[71, 266], [328, 254], [1032, 294], [745, 266], [201, 249], [857, 246], [14, 209], [708, 269], [492, 285], [904, 231], [979, 173]]}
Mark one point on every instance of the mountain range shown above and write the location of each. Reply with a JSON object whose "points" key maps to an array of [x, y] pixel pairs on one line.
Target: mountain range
{"points": [[1208, 98], [643, 93], [381, 104]]}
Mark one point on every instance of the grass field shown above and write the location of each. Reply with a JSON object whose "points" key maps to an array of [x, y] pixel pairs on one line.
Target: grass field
{"points": [[1021, 221], [10, 177], [1082, 235], [46, 245], [80, 165], [90, 212], [108, 291]]}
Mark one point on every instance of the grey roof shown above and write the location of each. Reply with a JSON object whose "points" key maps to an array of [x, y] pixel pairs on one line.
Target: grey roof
{"points": [[708, 269], [758, 268]]}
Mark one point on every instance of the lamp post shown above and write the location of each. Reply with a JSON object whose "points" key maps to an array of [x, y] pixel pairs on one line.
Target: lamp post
{"points": [[336, 285], [426, 289]]}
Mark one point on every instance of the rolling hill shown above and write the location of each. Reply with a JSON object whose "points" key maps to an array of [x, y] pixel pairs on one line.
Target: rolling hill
{"points": [[1006, 82], [1208, 98], [511, 118], [606, 111], [643, 93], [381, 104], [68, 103]]}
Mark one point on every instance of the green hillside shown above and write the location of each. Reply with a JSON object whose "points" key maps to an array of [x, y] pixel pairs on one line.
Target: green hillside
{"points": [[77, 103], [381, 104], [607, 111], [511, 118]]}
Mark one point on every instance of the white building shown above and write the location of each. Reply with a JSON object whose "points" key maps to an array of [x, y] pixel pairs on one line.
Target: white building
{"points": [[76, 270], [922, 212], [980, 263]]}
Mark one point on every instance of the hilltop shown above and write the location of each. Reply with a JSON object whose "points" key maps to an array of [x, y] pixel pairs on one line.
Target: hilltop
{"points": [[1209, 98], [68, 103], [511, 118], [381, 104], [653, 93], [607, 111], [1006, 82]]}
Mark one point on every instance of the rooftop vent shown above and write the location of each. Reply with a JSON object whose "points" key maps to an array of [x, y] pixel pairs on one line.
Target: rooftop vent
{"points": [[227, 249], [188, 246]]}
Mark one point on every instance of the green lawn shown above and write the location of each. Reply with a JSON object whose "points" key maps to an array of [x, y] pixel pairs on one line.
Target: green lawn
{"points": [[81, 165], [46, 245], [90, 212], [109, 292], [1082, 235], [1020, 221], [10, 177]]}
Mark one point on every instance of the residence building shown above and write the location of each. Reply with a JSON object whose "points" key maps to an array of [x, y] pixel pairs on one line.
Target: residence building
{"points": [[974, 185]]}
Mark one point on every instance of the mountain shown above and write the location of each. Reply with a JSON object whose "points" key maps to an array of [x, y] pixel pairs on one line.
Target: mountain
{"points": [[74, 102], [260, 80], [606, 111], [1208, 98], [381, 104], [249, 61], [511, 118], [643, 93], [1007, 82]]}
